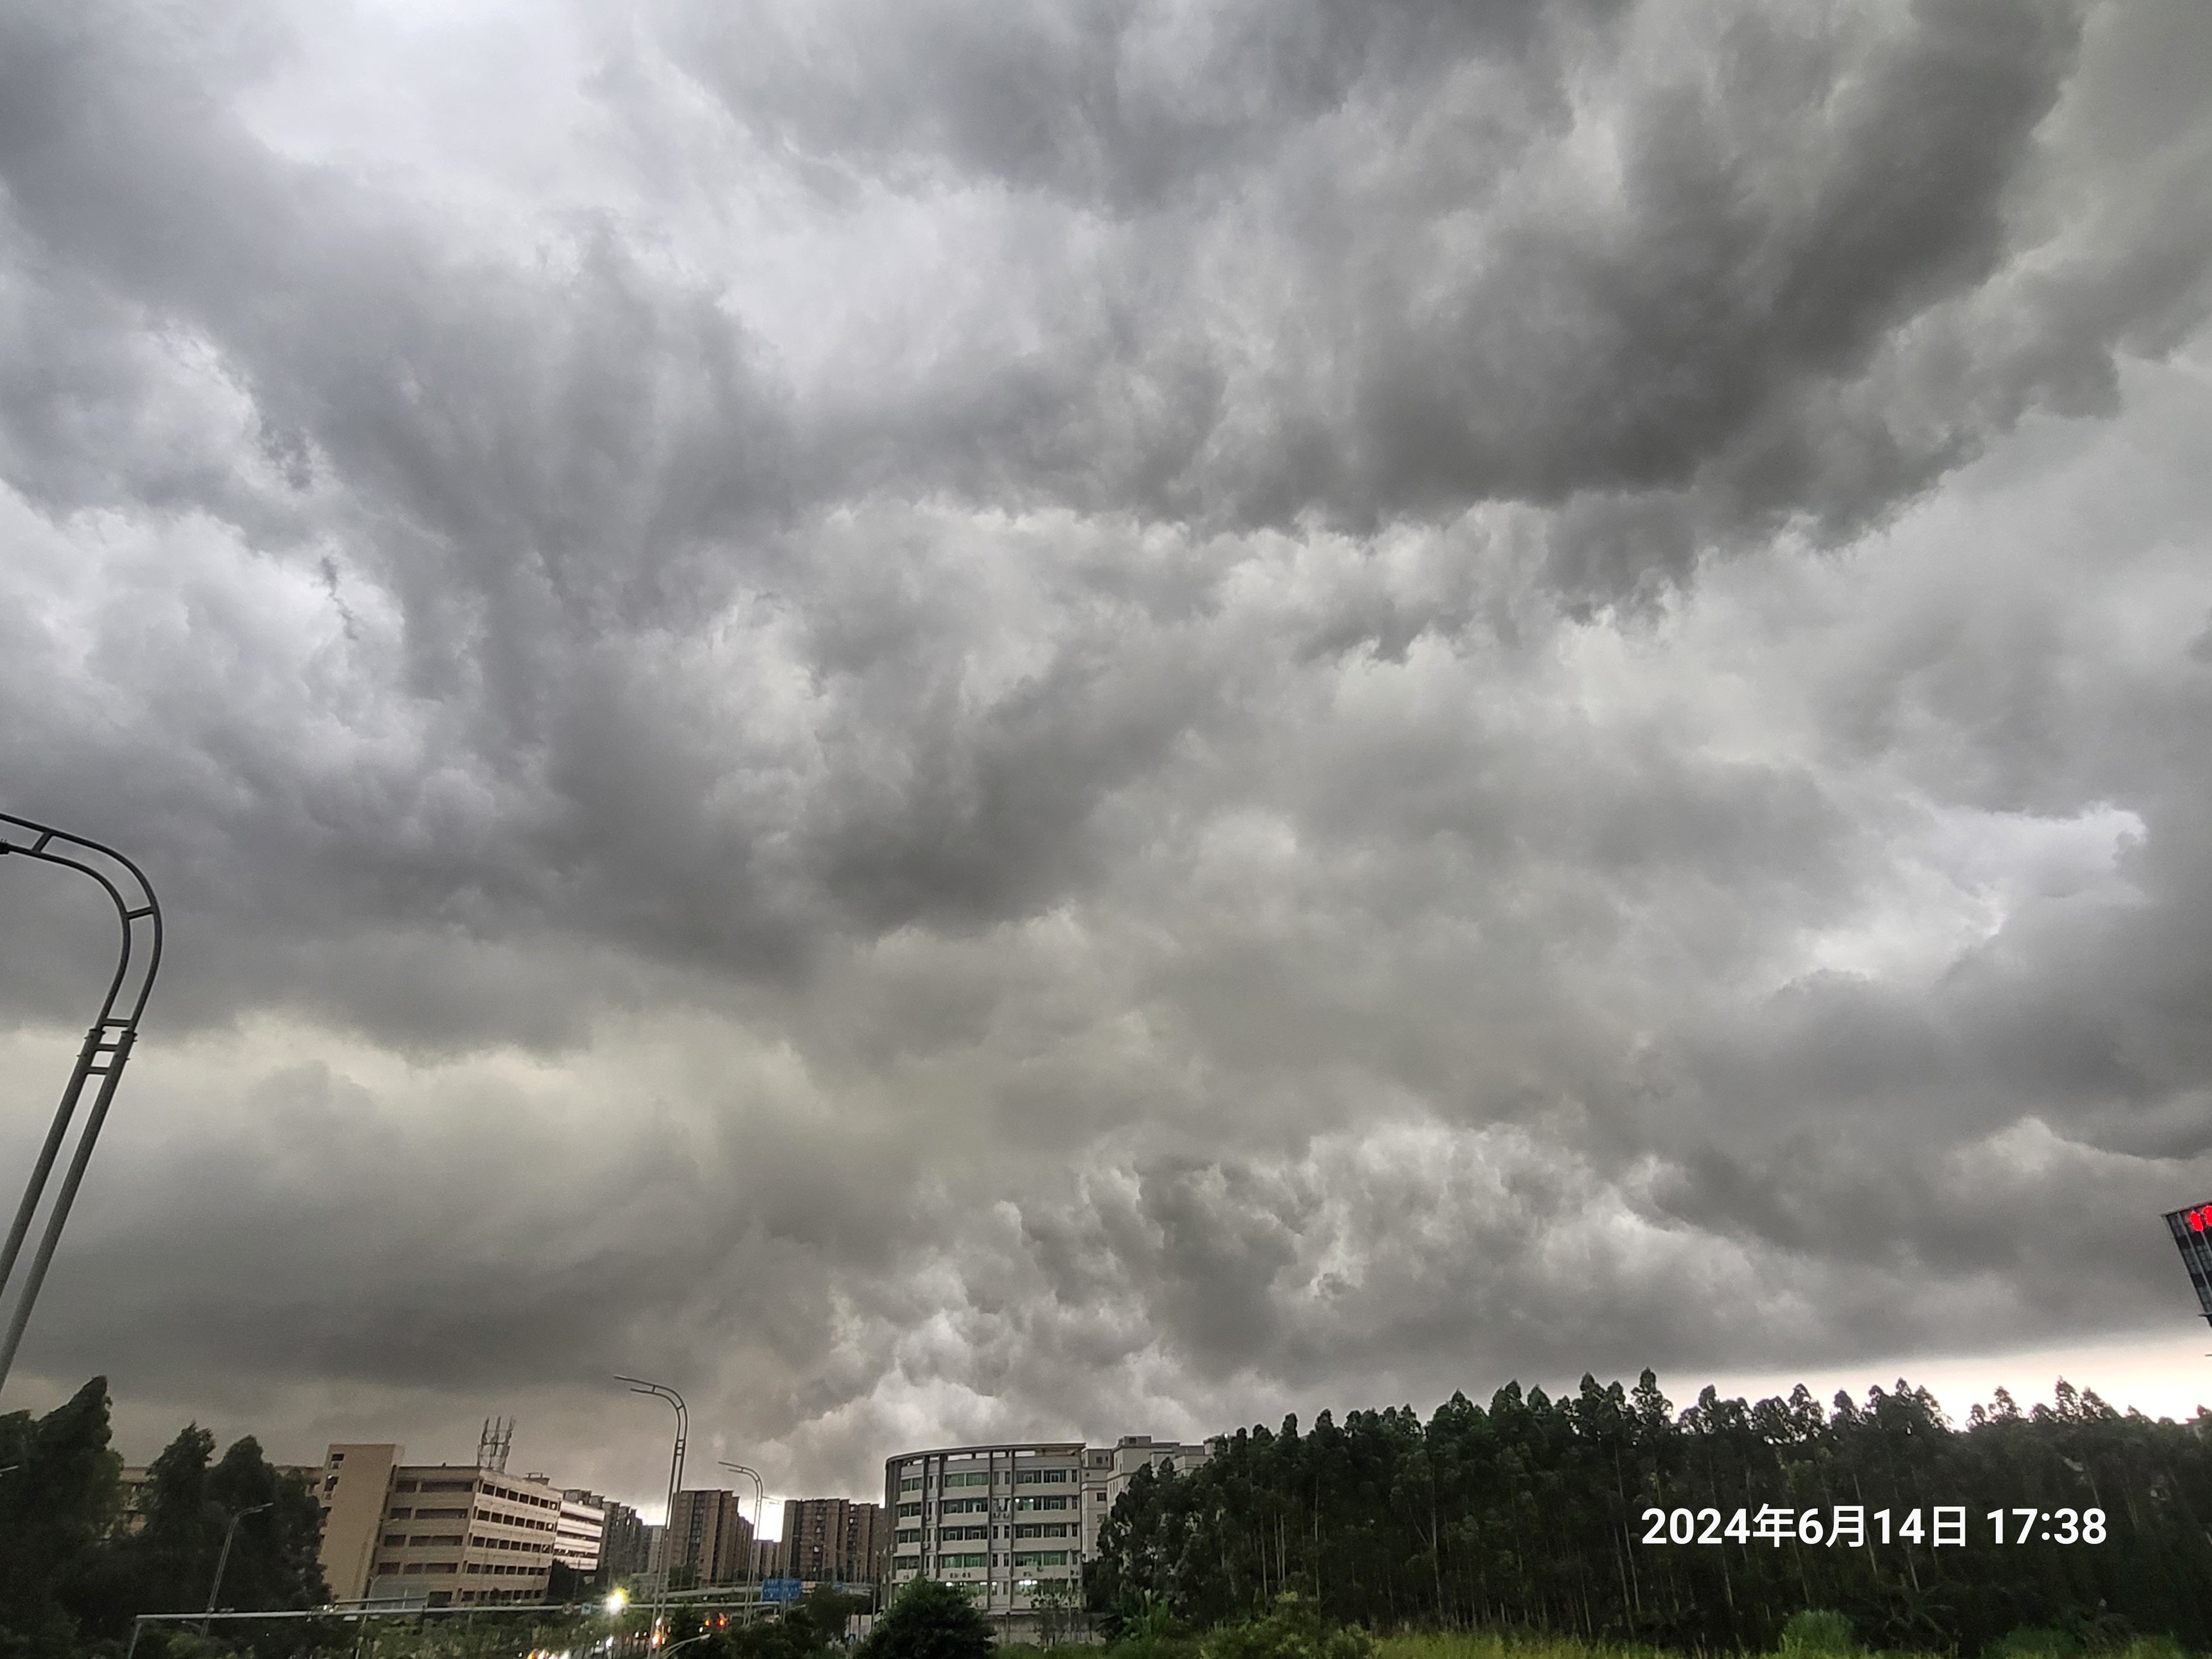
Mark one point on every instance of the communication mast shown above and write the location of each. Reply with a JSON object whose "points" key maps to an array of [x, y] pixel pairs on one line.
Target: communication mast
{"points": [[493, 1443]]}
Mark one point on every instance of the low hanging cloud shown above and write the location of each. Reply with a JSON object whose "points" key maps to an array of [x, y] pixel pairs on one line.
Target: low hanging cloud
{"points": [[1102, 718]]}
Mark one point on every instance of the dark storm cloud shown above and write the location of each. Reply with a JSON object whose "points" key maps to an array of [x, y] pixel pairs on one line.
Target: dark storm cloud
{"points": [[1781, 269], [1041, 827], [1117, 106]]}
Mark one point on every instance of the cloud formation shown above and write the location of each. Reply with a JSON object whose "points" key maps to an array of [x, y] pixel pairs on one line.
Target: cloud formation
{"points": [[1106, 718]]}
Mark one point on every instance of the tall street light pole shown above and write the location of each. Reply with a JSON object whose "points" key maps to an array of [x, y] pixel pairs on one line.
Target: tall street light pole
{"points": [[106, 1046], [223, 1561], [760, 1501], [661, 1391]]}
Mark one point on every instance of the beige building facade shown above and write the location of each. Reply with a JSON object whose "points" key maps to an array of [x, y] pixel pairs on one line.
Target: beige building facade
{"points": [[833, 1541], [445, 1534], [709, 1534]]}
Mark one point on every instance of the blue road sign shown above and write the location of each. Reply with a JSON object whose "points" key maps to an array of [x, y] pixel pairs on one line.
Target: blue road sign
{"points": [[780, 1589]]}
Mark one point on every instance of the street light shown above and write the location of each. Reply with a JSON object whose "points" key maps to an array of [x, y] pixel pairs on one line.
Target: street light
{"points": [[223, 1561], [106, 1047], [760, 1498], [661, 1391]]}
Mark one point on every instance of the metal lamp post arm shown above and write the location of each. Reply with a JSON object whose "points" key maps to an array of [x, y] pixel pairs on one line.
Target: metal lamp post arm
{"points": [[108, 1046], [661, 1391], [222, 1561], [760, 1501]]}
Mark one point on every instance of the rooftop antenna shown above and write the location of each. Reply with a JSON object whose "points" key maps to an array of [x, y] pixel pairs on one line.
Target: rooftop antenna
{"points": [[494, 1443]]}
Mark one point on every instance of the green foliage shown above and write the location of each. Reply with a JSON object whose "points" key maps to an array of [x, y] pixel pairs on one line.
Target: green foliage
{"points": [[812, 1627], [169, 1564], [1293, 1629], [769, 1639], [1817, 1632], [1144, 1628], [1531, 1514], [1497, 1644], [929, 1620], [56, 1500], [67, 1579]]}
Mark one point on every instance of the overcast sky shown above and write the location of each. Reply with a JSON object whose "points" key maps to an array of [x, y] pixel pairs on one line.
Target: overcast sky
{"points": [[962, 721]]}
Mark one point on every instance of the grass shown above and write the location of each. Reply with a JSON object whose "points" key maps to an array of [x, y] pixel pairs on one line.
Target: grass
{"points": [[1490, 1644]]}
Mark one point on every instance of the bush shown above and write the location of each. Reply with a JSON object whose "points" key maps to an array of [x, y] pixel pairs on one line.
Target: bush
{"points": [[1818, 1630], [1293, 1630], [930, 1620]]}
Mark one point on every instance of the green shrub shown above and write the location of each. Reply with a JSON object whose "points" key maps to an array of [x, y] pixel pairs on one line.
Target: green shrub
{"points": [[930, 1620], [2030, 1642], [1293, 1630], [1818, 1630]]}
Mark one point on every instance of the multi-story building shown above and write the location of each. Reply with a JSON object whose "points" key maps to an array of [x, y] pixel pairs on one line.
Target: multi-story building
{"points": [[768, 1559], [582, 1534], [834, 1540], [622, 1552], [1016, 1521], [1107, 1470], [711, 1537], [446, 1533]]}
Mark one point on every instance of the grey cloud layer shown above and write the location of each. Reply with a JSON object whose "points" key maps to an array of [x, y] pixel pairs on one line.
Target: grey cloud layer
{"points": [[1086, 850]]}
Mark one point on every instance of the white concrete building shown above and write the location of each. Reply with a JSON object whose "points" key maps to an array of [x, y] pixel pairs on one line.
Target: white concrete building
{"points": [[583, 1521], [1015, 1522]]}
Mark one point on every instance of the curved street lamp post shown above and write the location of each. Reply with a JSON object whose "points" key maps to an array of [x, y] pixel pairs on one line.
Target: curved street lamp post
{"points": [[661, 1391], [759, 1500], [222, 1561], [106, 1047]]}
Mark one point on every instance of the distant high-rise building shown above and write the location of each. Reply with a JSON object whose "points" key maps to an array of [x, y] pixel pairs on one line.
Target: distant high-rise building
{"points": [[622, 1549], [767, 1559], [833, 1539], [711, 1536]]}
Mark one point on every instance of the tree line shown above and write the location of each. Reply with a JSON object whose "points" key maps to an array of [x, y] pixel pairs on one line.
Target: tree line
{"points": [[1536, 1512], [72, 1577]]}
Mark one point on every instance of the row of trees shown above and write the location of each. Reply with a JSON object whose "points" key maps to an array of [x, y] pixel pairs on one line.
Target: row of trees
{"points": [[70, 1575], [1534, 1512]]}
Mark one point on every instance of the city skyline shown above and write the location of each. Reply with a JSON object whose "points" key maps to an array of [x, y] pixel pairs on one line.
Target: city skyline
{"points": [[971, 725]]}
